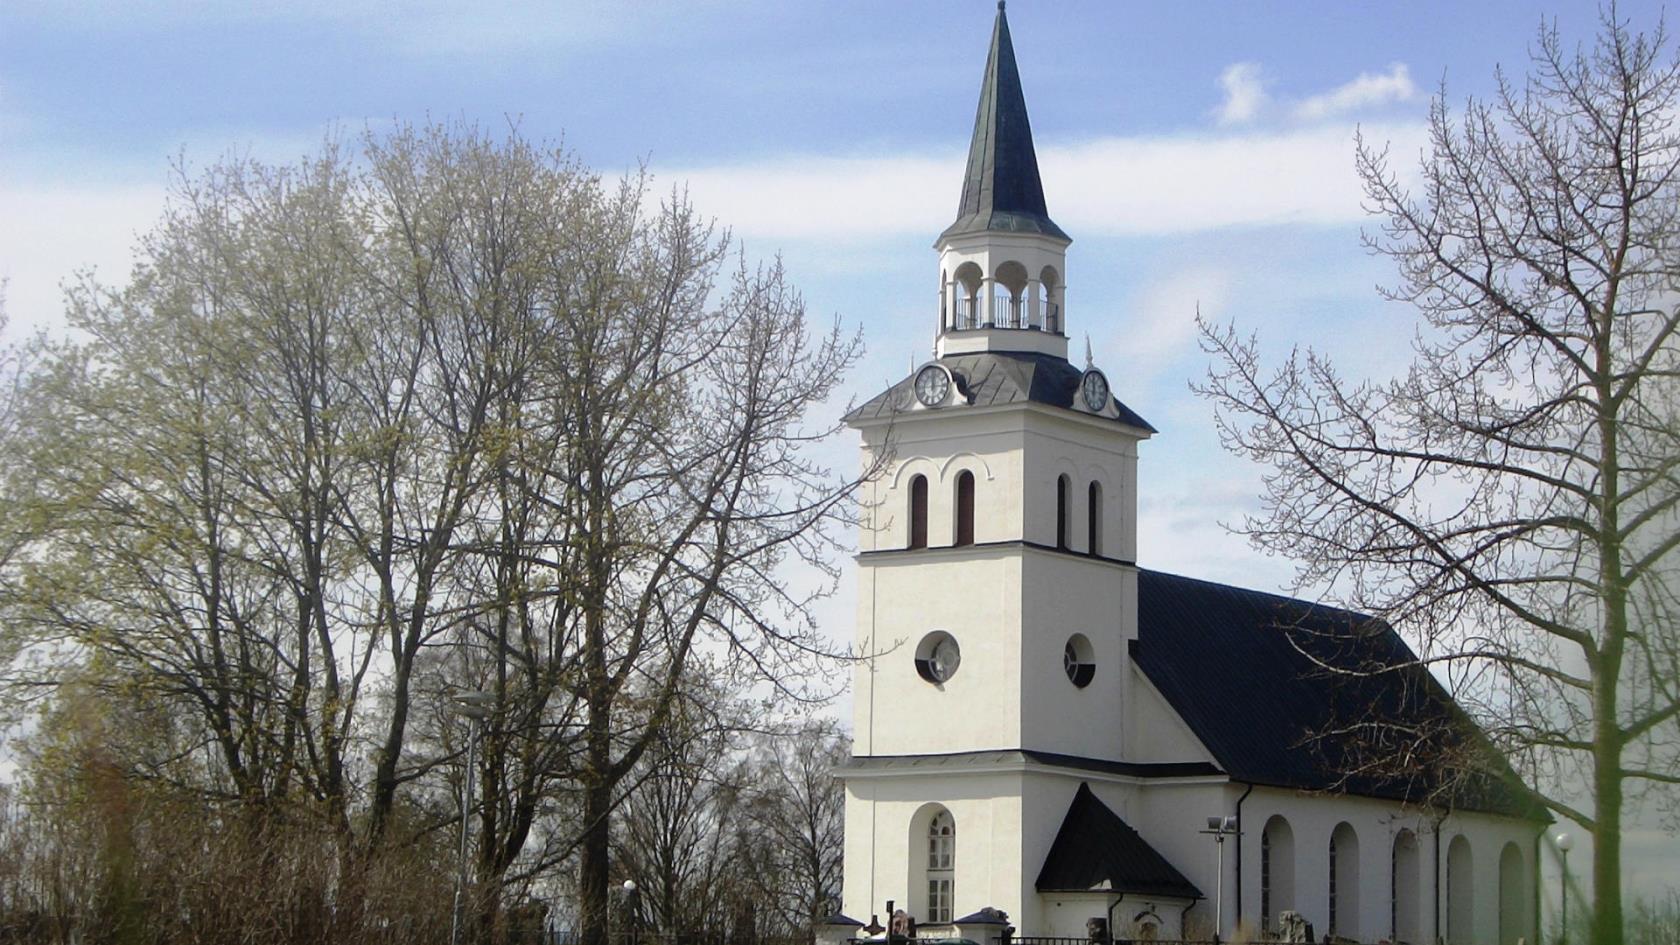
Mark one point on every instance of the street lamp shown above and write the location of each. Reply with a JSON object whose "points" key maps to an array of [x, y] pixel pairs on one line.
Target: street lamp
{"points": [[630, 911], [474, 706], [1219, 827], [1565, 843]]}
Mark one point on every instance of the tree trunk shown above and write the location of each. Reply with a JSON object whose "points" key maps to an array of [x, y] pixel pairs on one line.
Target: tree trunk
{"points": [[592, 868], [1607, 835]]}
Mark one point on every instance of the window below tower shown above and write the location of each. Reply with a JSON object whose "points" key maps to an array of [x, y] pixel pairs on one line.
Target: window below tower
{"points": [[1093, 524], [942, 848], [965, 509], [1063, 510], [918, 511]]}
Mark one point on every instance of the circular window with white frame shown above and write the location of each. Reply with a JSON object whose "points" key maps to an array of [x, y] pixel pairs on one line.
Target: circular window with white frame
{"points": [[1079, 661], [937, 657]]}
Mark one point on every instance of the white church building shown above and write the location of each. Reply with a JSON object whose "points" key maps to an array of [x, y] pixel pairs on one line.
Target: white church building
{"points": [[1044, 727]]}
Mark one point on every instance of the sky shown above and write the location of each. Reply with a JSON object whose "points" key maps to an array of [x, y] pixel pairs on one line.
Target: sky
{"points": [[1199, 154]]}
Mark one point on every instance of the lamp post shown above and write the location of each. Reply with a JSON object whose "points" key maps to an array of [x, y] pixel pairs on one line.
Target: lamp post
{"points": [[1219, 827], [630, 911], [1565, 843], [475, 707]]}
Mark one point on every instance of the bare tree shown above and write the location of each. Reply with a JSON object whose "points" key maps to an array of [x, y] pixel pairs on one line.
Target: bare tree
{"points": [[1511, 500], [797, 811], [445, 412]]}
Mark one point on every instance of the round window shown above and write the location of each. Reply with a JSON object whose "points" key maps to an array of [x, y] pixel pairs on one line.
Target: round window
{"points": [[1078, 661], [937, 657]]}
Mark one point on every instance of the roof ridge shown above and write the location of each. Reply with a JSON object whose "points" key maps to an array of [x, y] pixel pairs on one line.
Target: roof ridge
{"points": [[1318, 606]]}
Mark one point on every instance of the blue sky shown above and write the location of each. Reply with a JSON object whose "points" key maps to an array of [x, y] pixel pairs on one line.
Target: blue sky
{"points": [[1200, 154]]}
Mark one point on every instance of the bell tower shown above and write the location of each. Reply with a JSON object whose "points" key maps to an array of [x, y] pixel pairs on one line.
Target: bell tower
{"points": [[1002, 263], [997, 584]]}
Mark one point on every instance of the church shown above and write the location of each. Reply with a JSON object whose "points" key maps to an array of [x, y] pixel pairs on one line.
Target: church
{"points": [[1049, 735]]}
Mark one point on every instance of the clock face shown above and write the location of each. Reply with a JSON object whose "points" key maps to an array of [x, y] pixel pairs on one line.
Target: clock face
{"points": [[933, 385], [1094, 389]]}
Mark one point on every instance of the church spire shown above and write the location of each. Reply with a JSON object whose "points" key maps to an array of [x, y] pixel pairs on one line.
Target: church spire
{"points": [[1001, 188]]}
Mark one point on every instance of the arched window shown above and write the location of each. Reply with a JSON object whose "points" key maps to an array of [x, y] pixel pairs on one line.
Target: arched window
{"points": [[1513, 896], [1062, 512], [1093, 524], [1461, 892], [1403, 886], [1277, 871], [918, 511], [942, 850], [965, 508], [1344, 882]]}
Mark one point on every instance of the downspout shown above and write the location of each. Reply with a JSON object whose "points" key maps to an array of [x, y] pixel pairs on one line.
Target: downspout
{"points": [[1437, 910], [1240, 800], [1116, 902], [1185, 914]]}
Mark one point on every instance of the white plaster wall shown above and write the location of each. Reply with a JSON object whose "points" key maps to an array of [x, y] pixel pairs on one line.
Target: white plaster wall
{"points": [[987, 810], [1488, 835], [1084, 450], [1043, 808], [1064, 595], [1154, 732], [1171, 814], [1313, 817], [1010, 690], [1065, 914], [975, 595], [940, 443]]}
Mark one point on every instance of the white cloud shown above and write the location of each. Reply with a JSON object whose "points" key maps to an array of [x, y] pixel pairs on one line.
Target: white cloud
{"points": [[53, 231], [1160, 321], [1366, 91], [1138, 186], [1245, 93], [1109, 186]]}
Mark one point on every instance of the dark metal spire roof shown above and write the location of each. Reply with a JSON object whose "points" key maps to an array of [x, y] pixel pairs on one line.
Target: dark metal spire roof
{"points": [[1001, 189]]}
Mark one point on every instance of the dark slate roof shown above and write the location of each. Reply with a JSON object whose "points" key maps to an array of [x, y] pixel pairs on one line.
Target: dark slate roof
{"points": [[1001, 188], [1010, 756], [1242, 668], [998, 377], [1095, 849]]}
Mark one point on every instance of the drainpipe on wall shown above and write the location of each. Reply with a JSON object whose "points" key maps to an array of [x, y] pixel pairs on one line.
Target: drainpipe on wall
{"points": [[1240, 800], [1185, 914], [1116, 902], [1437, 910]]}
